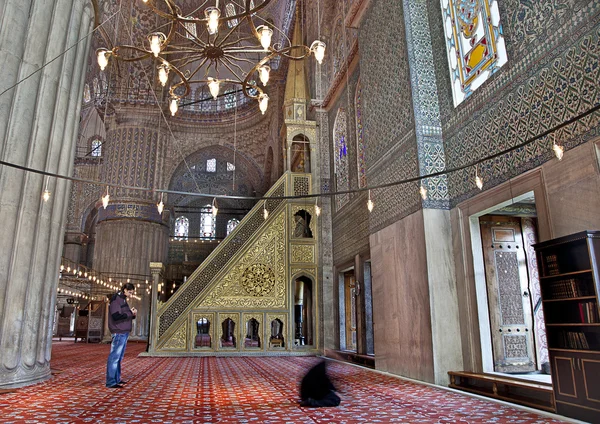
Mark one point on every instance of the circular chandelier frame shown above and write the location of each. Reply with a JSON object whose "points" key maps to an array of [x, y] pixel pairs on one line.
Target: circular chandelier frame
{"points": [[211, 49]]}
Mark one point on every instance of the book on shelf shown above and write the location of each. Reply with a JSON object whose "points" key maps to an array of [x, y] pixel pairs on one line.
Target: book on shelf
{"points": [[588, 312], [571, 287], [573, 340], [552, 265]]}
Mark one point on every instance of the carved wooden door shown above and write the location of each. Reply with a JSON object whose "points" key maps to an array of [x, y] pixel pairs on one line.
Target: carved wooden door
{"points": [[509, 301], [350, 298]]}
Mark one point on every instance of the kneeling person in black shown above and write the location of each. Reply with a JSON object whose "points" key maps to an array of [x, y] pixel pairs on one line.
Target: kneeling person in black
{"points": [[316, 389]]}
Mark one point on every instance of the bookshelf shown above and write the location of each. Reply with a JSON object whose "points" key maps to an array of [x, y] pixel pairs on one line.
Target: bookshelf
{"points": [[570, 283]]}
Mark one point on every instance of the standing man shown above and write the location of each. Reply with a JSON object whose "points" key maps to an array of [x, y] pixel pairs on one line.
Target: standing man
{"points": [[120, 317]]}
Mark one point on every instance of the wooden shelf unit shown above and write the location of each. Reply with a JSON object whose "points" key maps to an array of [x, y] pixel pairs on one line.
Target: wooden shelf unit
{"points": [[570, 283]]}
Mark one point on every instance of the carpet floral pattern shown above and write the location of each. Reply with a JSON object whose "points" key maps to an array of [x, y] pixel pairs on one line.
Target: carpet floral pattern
{"points": [[232, 390]]}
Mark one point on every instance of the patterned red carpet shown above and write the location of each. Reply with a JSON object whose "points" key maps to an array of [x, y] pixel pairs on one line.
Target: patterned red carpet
{"points": [[231, 390]]}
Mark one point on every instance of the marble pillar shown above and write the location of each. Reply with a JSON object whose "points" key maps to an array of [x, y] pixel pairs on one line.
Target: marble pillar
{"points": [[130, 232], [158, 271], [39, 110]]}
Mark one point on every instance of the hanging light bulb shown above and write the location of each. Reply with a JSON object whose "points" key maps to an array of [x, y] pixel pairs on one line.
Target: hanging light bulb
{"points": [[559, 151], [263, 102], [263, 73], [478, 180], [173, 106], [370, 203], [213, 86], [102, 56], [46, 195], [265, 34], [317, 207], [215, 209], [163, 74], [423, 192], [156, 39], [265, 211], [160, 205], [318, 49], [212, 15], [105, 198]]}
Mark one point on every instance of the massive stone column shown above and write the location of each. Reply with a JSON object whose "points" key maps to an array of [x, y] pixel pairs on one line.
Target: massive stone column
{"points": [[38, 124], [130, 232]]}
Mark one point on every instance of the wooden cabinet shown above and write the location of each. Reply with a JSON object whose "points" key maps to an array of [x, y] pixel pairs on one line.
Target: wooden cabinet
{"points": [[570, 283]]}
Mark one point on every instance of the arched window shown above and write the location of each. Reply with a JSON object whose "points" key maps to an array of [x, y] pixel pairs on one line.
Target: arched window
{"points": [[230, 167], [231, 224], [208, 223], [230, 11], [230, 99], [340, 153], [360, 138], [96, 150], [474, 43], [182, 228], [211, 165]]}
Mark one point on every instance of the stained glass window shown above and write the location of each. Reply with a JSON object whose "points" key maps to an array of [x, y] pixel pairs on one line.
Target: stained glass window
{"points": [[230, 99], [231, 224], [208, 222], [340, 149], [190, 30], [182, 228], [87, 95], [96, 148], [211, 165], [230, 11], [474, 43], [360, 139], [230, 166]]}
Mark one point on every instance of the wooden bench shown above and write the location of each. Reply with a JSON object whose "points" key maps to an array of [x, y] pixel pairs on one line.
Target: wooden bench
{"points": [[524, 392]]}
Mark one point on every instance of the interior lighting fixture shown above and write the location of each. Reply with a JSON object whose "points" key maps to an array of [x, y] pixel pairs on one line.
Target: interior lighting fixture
{"points": [[202, 45], [423, 192], [317, 208], [105, 199], [214, 209], [265, 211], [160, 205], [370, 203], [559, 151], [46, 194], [478, 180]]}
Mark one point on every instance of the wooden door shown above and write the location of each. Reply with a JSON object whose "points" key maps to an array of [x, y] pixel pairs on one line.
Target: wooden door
{"points": [[509, 301], [350, 303]]}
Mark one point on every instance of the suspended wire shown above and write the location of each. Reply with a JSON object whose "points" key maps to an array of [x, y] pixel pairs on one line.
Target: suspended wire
{"points": [[330, 194]]}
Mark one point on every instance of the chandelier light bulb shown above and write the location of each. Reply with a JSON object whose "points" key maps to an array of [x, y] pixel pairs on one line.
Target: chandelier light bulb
{"points": [[156, 40], [213, 86], [263, 102], [105, 199], [163, 74], [317, 209], [265, 211], [318, 48], [102, 55], [265, 33], [212, 15], [46, 195], [478, 180], [263, 73], [559, 151], [173, 106], [160, 205], [423, 192], [370, 203]]}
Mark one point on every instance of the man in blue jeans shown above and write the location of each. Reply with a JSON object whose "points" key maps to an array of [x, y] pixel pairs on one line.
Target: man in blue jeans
{"points": [[120, 317]]}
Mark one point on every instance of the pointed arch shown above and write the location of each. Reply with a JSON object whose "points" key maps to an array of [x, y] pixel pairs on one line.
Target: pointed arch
{"points": [[340, 155]]}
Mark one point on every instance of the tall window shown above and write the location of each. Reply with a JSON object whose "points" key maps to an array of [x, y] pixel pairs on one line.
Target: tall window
{"points": [[211, 165], [474, 43], [340, 151], [360, 139], [230, 99], [230, 11], [96, 148], [231, 224], [182, 228], [208, 222]]}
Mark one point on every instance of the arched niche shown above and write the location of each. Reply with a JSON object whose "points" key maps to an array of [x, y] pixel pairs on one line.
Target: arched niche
{"points": [[303, 311], [302, 219], [300, 154]]}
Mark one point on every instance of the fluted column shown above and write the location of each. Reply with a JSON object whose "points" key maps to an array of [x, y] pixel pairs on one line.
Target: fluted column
{"points": [[130, 232], [37, 130]]}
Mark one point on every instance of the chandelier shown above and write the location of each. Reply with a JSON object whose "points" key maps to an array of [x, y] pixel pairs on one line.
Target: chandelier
{"points": [[207, 45]]}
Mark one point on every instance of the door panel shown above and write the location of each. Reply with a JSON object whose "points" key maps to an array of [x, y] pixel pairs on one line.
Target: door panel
{"points": [[350, 303], [509, 302]]}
